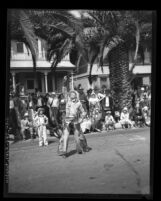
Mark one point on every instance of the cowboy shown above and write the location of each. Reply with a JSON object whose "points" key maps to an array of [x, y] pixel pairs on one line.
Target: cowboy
{"points": [[41, 121], [74, 117]]}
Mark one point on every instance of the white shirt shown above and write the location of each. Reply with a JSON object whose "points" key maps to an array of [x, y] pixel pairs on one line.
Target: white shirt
{"points": [[11, 104], [107, 103], [100, 96], [93, 100], [124, 116], [40, 120], [30, 104], [109, 118], [55, 102], [39, 102]]}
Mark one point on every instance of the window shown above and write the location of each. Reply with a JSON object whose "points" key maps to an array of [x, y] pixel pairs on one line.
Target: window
{"points": [[19, 47], [103, 79], [30, 84]]}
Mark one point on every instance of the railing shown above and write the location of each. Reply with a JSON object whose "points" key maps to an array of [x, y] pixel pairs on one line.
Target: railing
{"points": [[26, 56]]}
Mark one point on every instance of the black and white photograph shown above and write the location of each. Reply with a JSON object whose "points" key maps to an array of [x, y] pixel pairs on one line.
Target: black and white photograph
{"points": [[78, 120]]}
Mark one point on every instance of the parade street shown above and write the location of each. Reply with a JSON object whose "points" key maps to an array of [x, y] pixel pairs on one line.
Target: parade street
{"points": [[118, 163]]}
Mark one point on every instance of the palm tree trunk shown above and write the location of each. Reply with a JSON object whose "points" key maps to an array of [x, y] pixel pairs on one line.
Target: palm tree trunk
{"points": [[119, 74]]}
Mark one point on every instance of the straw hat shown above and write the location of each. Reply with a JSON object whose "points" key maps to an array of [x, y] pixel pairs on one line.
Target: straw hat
{"points": [[125, 109], [145, 108], [108, 112]]}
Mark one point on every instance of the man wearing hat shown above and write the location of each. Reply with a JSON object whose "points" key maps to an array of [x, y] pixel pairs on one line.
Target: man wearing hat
{"points": [[125, 120], [26, 126], [41, 121], [40, 101], [109, 121], [107, 102], [116, 109], [74, 116], [53, 104]]}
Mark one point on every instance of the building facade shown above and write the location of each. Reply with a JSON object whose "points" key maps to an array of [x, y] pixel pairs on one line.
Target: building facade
{"points": [[21, 70], [101, 78]]}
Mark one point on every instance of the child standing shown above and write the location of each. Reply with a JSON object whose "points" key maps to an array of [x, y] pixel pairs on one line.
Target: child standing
{"points": [[41, 121], [109, 121]]}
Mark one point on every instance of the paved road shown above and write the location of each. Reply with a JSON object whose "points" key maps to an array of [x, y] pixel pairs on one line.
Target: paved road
{"points": [[118, 163]]}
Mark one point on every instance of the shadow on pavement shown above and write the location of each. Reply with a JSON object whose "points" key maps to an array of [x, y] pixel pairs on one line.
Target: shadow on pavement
{"points": [[51, 141], [72, 152]]}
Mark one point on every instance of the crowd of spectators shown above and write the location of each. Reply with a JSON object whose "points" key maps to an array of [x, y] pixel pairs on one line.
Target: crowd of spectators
{"points": [[101, 112]]}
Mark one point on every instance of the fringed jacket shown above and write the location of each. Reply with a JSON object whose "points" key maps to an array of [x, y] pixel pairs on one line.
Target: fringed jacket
{"points": [[75, 111]]}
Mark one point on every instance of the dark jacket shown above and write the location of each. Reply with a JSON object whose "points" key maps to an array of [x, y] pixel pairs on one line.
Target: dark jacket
{"points": [[103, 103]]}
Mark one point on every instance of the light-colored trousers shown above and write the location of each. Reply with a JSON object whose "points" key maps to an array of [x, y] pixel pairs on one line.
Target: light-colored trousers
{"points": [[30, 129], [109, 123], [42, 133], [65, 137], [126, 121]]}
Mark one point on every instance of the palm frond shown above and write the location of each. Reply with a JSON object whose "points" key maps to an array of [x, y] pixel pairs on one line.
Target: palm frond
{"points": [[22, 30], [29, 34], [112, 43]]}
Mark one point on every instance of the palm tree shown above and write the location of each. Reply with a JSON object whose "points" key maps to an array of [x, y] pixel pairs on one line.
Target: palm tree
{"points": [[21, 29], [105, 33], [123, 30]]}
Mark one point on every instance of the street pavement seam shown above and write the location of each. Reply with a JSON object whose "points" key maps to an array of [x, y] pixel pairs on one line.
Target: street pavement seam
{"points": [[138, 178]]}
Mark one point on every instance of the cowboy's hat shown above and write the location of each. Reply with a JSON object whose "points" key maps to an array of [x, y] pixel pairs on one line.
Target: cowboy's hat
{"points": [[40, 109], [26, 114]]}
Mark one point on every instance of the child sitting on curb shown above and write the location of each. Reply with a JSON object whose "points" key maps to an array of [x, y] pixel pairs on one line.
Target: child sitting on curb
{"points": [[125, 120], [86, 125], [26, 126], [146, 116], [109, 121]]}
